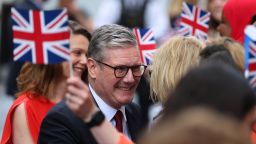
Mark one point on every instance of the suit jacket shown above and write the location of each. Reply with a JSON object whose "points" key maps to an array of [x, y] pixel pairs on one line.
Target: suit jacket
{"points": [[61, 126]]}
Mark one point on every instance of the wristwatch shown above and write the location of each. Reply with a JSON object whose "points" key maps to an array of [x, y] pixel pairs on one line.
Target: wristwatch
{"points": [[96, 120]]}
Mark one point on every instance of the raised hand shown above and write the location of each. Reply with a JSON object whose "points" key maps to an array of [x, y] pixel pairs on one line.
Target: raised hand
{"points": [[79, 99]]}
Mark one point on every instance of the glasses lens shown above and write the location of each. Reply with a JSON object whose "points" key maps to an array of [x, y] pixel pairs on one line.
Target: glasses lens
{"points": [[120, 71], [138, 70]]}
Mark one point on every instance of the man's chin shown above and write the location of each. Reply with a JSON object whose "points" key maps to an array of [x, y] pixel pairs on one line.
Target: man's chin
{"points": [[127, 93], [125, 101]]}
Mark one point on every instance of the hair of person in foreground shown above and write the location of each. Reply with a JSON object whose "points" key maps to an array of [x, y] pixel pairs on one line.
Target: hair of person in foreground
{"points": [[215, 85], [197, 125]]}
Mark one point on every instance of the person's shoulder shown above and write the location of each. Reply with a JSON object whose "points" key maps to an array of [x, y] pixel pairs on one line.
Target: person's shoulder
{"points": [[59, 116], [60, 108], [133, 105], [70, 127], [61, 112], [17, 102]]}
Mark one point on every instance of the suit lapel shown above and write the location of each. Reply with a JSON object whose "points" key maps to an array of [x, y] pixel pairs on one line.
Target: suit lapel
{"points": [[132, 122]]}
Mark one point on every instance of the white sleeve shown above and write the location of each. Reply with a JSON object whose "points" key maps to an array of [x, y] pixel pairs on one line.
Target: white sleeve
{"points": [[109, 12], [156, 16]]}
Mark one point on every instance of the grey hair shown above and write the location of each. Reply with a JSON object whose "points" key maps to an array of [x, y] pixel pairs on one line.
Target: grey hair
{"points": [[110, 36]]}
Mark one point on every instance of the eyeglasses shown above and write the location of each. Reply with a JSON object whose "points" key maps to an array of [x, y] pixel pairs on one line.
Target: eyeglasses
{"points": [[121, 71]]}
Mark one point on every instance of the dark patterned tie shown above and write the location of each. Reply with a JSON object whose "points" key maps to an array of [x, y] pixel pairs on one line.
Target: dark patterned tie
{"points": [[118, 119]]}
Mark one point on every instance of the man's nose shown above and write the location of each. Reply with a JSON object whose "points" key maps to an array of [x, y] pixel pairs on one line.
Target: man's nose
{"points": [[129, 77]]}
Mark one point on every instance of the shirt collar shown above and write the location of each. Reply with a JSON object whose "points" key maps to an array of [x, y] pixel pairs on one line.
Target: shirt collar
{"points": [[107, 110]]}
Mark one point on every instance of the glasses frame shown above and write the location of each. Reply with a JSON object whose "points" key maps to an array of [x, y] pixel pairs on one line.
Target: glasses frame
{"points": [[128, 67]]}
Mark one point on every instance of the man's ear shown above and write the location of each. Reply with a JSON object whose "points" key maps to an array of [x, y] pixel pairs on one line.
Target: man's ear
{"points": [[91, 65]]}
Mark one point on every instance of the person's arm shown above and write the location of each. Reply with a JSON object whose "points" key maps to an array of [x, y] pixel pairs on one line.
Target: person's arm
{"points": [[20, 133], [107, 134], [80, 102]]}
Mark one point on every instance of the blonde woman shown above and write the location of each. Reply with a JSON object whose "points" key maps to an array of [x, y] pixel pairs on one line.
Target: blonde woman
{"points": [[172, 60]]}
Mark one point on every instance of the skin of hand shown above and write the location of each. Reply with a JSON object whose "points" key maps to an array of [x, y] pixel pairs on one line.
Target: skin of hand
{"points": [[79, 99]]}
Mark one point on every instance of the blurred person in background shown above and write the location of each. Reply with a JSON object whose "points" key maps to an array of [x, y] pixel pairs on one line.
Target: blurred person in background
{"points": [[77, 14], [171, 62], [134, 13], [215, 7], [41, 86], [235, 16]]}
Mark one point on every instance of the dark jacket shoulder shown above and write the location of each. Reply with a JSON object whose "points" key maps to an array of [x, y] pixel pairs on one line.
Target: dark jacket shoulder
{"points": [[61, 126]]}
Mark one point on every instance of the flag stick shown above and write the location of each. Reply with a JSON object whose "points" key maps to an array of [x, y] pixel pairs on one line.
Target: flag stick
{"points": [[71, 69], [71, 75]]}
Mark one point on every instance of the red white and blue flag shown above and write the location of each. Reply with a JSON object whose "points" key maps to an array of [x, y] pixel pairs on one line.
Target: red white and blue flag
{"points": [[250, 57], [40, 37], [146, 43], [194, 22]]}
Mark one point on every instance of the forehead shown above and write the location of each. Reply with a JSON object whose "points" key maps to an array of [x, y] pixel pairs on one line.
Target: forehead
{"points": [[78, 40], [122, 56]]}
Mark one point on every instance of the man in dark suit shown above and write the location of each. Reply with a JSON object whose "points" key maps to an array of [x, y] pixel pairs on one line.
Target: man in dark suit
{"points": [[115, 68]]}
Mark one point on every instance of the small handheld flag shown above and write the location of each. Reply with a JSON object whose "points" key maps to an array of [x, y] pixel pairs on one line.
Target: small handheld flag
{"points": [[194, 22], [147, 44], [41, 37], [250, 54]]}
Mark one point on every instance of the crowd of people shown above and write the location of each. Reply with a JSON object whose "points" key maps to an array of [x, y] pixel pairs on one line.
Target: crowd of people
{"points": [[201, 86]]}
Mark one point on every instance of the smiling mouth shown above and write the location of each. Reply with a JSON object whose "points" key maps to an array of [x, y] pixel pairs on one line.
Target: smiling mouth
{"points": [[79, 69], [125, 88]]}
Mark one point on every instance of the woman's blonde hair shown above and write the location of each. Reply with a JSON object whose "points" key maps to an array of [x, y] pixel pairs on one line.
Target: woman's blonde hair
{"points": [[172, 60], [38, 80]]}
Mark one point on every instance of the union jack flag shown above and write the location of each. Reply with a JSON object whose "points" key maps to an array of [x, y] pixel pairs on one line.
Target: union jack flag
{"points": [[146, 43], [40, 37], [250, 46], [194, 22]]}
